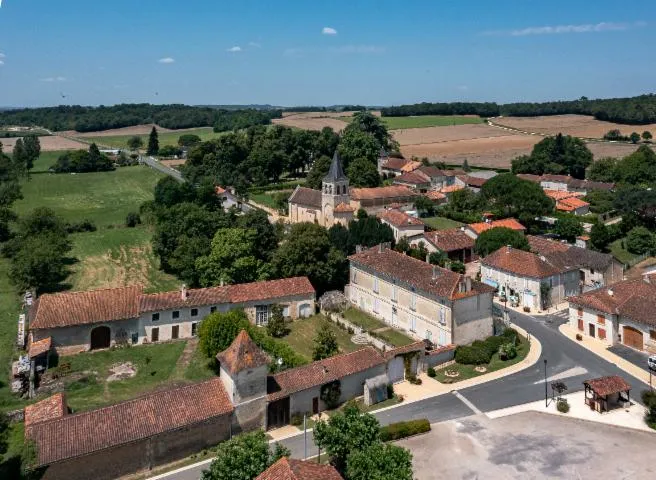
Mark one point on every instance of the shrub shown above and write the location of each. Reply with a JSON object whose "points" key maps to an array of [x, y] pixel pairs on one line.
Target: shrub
{"points": [[510, 333], [562, 405], [85, 225], [507, 351], [471, 355], [396, 431], [649, 398], [296, 420], [330, 394], [431, 372], [132, 220]]}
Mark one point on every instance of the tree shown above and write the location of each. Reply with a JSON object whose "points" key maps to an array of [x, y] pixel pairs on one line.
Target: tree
{"points": [[568, 228], [4, 433], [458, 267], [266, 237], [363, 173], [379, 461], [218, 330], [545, 295], [232, 258], [355, 143], [493, 239], [340, 238], [509, 195], [638, 203], [424, 206], [465, 166], [604, 170], [599, 237], [135, 142], [319, 170], [438, 258], [325, 343], [188, 140], [370, 124], [169, 192], [19, 158], [634, 137], [646, 136], [368, 231], [640, 241], [153, 143], [40, 263], [345, 432], [32, 147], [243, 457], [276, 326], [639, 167], [559, 154], [402, 245]]}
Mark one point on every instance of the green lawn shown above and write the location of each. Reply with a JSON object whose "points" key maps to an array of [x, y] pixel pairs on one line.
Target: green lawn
{"points": [[362, 319], [395, 123], [46, 160], [268, 199], [165, 138], [304, 330], [441, 223], [9, 310], [467, 371], [394, 337], [622, 254]]}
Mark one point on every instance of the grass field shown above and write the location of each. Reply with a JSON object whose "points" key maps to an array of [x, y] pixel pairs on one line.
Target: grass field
{"points": [[362, 319], [441, 223], [165, 138], [622, 254], [394, 337], [9, 310], [422, 121], [304, 330]]}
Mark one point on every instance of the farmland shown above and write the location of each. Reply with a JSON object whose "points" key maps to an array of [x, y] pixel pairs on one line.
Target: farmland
{"points": [[397, 123], [48, 143], [166, 137]]}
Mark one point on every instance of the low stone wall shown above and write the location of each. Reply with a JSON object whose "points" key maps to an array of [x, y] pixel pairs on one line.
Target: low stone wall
{"points": [[339, 320], [440, 357]]}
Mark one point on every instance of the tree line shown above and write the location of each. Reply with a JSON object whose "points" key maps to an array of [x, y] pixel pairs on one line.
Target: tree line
{"points": [[640, 110], [174, 116]]}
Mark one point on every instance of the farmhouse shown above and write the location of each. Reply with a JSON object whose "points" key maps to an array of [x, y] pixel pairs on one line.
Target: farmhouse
{"points": [[427, 301], [454, 242], [473, 183], [402, 224], [533, 279], [620, 314], [396, 166], [565, 183], [475, 229], [80, 321]]}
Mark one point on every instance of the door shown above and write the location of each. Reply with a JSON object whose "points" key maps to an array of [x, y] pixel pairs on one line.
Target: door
{"points": [[175, 331], [315, 405], [154, 334], [581, 324], [632, 337], [591, 329], [100, 337], [278, 413], [396, 370], [305, 310]]}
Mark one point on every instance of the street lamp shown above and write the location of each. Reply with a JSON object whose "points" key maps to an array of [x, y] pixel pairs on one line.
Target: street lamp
{"points": [[546, 395]]}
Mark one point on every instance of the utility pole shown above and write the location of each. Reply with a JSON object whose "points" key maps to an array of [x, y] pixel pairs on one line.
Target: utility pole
{"points": [[546, 395], [304, 436]]}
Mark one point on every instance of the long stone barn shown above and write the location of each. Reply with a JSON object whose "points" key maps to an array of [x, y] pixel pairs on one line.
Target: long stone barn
{"points": [[169, 425], [81, 321]]}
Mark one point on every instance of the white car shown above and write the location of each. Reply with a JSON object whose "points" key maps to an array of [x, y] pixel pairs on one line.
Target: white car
{"points": [[651, 362]]}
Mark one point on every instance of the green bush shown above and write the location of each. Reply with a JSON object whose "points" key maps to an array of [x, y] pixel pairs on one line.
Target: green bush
{"points": [[507, 351], [510, 334], [396, 431], [649, 398], [472, 354], [431, 372], [562, 405], [296, 420]]}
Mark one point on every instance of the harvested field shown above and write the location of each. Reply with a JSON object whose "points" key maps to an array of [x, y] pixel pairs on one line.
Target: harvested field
{"points": [[576, 125], [605, 149], [48, 144], [322, 114], [311, 123], [423, 121], [134, 130], [415, 136]]}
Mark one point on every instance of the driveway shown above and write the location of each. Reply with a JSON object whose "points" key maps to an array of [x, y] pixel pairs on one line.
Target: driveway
{"points": [[531, 445]]}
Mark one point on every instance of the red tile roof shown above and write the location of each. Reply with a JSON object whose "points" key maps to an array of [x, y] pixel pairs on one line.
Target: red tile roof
{"points": [[571, 204], [431, 171], [399, 218], [87, 432], [48, 409], [419, 346], [219, 190], [607, 385], [78, 308], [324, 371], [559, 194], [511, 223], [413, 178], [344, 208], [449, 240], [39, 347], [530, 177], [563, 254], [291, 469], [196, 297], [270, 289], [426, 278], [435, 195], [470, 181], [395, 163], [374, 193], [634, 299], [451, 188], [410, 166], [524, 264], [242, 354]]}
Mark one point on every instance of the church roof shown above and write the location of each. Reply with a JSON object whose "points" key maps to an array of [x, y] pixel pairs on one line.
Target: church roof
{"points": [[335, 173], [306, 196]]}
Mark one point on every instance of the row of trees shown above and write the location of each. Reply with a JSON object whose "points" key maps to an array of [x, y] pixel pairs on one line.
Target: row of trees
{"points": [[634, 137], [639, 110], [81, 161], [90, 119], [562, 155], [638, 168]]}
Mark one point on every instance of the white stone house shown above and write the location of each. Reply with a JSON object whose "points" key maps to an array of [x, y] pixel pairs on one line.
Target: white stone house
{"points": [[402, 224]]}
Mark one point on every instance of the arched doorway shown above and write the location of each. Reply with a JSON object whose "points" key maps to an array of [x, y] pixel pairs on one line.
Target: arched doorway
{"points": [[100, 337]]}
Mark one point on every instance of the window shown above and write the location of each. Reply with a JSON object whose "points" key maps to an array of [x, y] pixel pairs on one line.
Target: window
{"points": [[580, 324], [413, 302], [652, 335], [429, 335], [175, 332], [602, 334], [135, 338], [601, 320], [375, 284], [155, 317], [175, 314], [194, 312], [285, 311], [154, 334], [376, 305], [592, 271], [441, 316], [213, 309], [394, 293], [261, 314], [194, 329], [413, 324]]}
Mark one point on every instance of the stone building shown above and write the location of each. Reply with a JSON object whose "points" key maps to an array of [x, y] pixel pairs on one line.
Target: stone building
{"points": [[402, 224], [291, 469]]}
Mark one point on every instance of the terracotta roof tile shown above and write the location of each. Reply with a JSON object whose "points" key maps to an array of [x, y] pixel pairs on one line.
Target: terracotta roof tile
{"points": [[451, 188], [431, 171], [78, 308], [449, 240], [291, 469], [559, 194], [154, 302], [324, 371], [395, 163], [374, 193], [344, 208], [419, 346], [525, 264], [608, 385], [219, 190], [562, 254], [410, 166], [570, 204], [530, 177], [435, 195], [270, 289], [242, 354], [87, 432], [412, 178], [39, 347], [48, 409], [510, 223], [470, 181], [400, 267], [399, 218], [306, 196]]}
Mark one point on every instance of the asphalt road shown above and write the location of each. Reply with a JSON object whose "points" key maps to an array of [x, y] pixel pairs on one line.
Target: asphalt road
{"points": [[566, 361]]}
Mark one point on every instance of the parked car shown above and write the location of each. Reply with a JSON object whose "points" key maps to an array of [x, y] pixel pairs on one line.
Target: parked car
{"points": [[651, 362]]}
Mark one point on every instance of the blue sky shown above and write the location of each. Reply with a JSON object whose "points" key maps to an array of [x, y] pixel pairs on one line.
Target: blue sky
{"points": [[300, 52]]}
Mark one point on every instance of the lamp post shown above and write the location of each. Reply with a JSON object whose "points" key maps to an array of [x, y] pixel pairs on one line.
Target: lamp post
{"points": [[546, 395]]}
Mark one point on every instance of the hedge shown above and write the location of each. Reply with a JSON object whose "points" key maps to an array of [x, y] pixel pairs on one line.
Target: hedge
{"points": [[396, 431], [480, 352]]}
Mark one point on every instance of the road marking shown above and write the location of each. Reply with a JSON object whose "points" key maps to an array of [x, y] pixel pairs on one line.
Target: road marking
{"points": [[472, 407], [572, 372]]}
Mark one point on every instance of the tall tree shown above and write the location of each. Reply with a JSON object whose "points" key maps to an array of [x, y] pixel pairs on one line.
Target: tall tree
{"points": [[508, 195], [646, 136], [153, 143], [325, 343], [318, 170], [493, 239], [19, 158], [560, 155], [218, 330], [380, 461], [32, 147], [363, 173], [568, 228], [604, 170], [135, 142], [370, 124], [355, 143]]}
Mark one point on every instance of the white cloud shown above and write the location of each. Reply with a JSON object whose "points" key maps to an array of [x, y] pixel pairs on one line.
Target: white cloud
{"points": [[565, 29], [328, 31], [357, 49], [1, 63], [2, 55], [166, 60], [254, 44], [53, 79], [234, 49]]}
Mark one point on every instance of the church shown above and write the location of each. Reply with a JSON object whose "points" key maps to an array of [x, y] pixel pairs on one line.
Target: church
{"points": [[337, 203]]}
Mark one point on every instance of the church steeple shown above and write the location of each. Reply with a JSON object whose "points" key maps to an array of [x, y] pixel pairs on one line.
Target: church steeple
{"points": [[335, 185], [336, 173]]}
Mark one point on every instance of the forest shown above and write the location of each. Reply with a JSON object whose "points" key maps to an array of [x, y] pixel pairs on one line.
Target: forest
{"points": [[640, 110], [175, 116]]}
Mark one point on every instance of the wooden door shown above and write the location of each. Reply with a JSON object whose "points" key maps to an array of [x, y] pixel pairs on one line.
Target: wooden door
{"points": [[581, 324], [591, 329], [632, 337], [175, 331], [315, 405], [100, 337], [154, 334]]}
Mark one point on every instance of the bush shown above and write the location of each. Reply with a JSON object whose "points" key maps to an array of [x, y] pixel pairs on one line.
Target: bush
{"points": [[132, 220], [396, 431], [649, 398], [510, 334], [471, 355], [431, 372], [85, 225], [296, 420], [562, 405], [507, 351]]}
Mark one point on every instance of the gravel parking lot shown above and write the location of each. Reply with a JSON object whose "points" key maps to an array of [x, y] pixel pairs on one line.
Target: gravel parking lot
{"points": [[531, 445]]}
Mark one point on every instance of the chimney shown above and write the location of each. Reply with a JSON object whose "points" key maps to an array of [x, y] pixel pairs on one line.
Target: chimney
{"points": [[358, 248], [462, 229], [183, 291]]}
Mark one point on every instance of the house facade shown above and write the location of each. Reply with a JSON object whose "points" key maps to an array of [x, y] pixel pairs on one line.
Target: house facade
{"points": [[402, 224], [81, 321], [620, 314], [518, 273], [426, 301]]}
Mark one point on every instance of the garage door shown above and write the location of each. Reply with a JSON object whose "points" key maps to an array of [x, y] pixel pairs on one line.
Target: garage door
{"points": [[632, 337], [396, 370], [305, 310]]}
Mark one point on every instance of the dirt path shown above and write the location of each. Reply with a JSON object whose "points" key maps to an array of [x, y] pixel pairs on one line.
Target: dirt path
{"points": [[185, 358]]}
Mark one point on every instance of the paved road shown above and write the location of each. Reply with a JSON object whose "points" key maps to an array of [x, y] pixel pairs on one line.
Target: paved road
{"points": [[637, 358], [566, 360]]}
